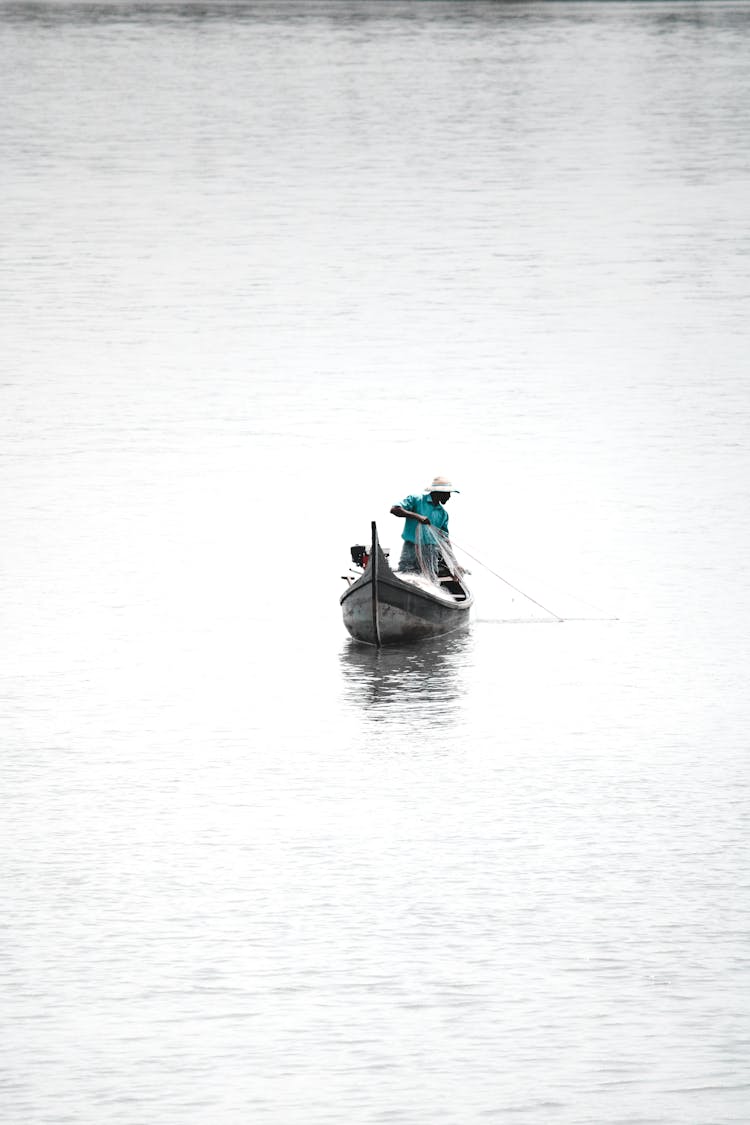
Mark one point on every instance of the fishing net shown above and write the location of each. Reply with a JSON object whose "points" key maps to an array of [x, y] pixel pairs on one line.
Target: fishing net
{"points": [[433, 556]]}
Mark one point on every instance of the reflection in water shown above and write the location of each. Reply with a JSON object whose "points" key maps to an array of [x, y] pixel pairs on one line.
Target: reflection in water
{"points": [[427, 676]]}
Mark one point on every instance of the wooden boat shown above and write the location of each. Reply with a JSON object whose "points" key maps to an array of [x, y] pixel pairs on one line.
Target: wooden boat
{"points": [[381, 607]]}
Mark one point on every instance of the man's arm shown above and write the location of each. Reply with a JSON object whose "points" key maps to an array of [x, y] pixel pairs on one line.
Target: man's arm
{"points": [[404, 513]]}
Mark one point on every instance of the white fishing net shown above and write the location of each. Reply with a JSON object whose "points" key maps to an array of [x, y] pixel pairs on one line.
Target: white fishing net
{"points": [[433, 588], [434, 555]]}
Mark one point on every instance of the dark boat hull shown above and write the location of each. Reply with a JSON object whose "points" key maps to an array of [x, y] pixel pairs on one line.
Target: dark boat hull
{"points": [[399, 612]]}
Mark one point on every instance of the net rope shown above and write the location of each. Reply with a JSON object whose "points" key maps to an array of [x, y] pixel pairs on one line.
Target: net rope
{"points": [[432, 546]]}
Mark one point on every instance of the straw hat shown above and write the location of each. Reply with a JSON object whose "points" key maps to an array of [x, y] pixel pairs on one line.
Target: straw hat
{"points": [[440, 484]]}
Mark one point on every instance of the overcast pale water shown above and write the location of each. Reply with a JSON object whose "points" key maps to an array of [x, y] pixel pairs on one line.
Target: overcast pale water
{"points": [[266, 269]]}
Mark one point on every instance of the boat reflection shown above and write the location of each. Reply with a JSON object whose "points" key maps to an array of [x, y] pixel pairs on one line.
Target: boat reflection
{"points": [[401, 680]]}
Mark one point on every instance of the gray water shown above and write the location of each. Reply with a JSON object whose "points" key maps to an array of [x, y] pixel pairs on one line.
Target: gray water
{"points": [[266, 269]]}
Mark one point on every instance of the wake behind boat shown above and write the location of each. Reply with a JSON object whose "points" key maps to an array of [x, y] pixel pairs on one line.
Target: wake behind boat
{"points": [[384, 607]]}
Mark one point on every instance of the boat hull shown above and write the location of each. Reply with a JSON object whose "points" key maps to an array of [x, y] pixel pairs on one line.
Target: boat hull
{"points": [[401, 612]]}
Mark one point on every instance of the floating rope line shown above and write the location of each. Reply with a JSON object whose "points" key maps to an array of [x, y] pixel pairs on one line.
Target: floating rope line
{"points": [[577, 598], [431, 542], [445, 547], [556, 616]]}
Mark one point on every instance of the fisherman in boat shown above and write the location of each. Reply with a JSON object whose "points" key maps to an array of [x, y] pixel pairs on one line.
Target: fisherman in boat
{"points": [[420, 553]]}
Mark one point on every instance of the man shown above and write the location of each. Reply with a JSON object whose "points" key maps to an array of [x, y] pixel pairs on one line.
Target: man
{"points": [[420, 552]]}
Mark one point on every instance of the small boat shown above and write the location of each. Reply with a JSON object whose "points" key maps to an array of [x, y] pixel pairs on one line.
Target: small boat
{"points": [[383, 607]]}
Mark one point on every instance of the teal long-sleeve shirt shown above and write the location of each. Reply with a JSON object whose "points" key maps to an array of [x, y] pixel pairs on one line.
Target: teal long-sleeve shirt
{"points": [[423, 506]]}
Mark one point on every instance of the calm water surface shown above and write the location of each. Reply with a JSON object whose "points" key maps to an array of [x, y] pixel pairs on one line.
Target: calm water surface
{"points": [[267, 268]]}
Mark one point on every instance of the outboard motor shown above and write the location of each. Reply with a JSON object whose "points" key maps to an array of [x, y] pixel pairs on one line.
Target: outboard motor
{"points": [[360, 555]]}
